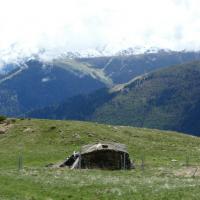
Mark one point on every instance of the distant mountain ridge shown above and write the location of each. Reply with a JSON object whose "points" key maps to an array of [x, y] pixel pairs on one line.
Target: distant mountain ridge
{"points": [[166, 99], [7, 61], [110, 52], [103, 51], [121, 69], [36, 84]]}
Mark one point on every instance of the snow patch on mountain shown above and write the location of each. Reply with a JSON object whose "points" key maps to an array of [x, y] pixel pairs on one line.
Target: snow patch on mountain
{"points": [[15, 56], [108, 51], [15, 73], [45, 79]]}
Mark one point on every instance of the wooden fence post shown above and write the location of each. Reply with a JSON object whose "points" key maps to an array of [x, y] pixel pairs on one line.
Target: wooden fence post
{"points": [[142, 163], [20, 162]]}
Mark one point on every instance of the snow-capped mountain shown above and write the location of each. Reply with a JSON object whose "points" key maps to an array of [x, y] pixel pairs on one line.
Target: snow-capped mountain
{"points": [[37, 80], [15, 56], [108, 51], [139, 50]]}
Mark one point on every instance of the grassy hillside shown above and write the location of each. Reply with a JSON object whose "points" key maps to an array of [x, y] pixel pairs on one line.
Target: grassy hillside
{"points": [[170, 162], [166, 99]]}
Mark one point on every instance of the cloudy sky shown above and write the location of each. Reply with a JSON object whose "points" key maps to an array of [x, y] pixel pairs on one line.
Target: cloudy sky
{"points": [[27, 26]]}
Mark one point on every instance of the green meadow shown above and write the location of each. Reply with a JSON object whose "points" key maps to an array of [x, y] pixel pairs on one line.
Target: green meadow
{"points": [[166, 163]]}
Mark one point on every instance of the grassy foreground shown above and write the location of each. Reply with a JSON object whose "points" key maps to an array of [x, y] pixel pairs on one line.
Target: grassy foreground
{"points": [[169, 171]]}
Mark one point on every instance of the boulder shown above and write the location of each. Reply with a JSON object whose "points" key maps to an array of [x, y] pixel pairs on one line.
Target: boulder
{"points": [[2, 130]]}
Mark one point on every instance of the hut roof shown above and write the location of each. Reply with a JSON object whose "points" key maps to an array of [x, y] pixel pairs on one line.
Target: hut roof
{"points": [[103, 146]]}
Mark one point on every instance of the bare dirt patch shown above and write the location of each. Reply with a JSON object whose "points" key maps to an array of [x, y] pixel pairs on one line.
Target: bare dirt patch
{"points": [[28, 130], [5, 126], [191, 171]]}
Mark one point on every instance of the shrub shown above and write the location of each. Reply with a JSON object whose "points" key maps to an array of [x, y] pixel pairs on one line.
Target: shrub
{"points": [[2, 118]]}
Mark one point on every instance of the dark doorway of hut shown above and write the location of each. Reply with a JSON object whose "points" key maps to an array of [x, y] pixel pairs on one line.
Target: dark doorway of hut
{"points": [[109, 155]]}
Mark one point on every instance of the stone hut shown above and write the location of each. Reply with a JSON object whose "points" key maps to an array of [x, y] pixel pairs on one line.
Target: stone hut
{"points": [[106, 155]]}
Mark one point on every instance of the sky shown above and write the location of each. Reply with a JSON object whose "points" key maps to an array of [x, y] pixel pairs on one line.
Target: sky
{"points": [[56, 26]]}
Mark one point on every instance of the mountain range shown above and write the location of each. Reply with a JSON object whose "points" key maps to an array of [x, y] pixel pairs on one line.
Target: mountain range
{"points": [[129, 88], [166, 99], [37, 85]]}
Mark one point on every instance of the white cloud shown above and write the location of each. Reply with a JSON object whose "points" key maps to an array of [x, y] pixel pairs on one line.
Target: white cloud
{"points": [[59, 25]]}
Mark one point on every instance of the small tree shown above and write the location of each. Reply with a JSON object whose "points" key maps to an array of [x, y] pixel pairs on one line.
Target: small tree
{"points": [[2, 118]]}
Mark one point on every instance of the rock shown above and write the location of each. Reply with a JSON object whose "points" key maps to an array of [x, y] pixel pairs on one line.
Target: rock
{"points": [[49, 165], [28, 130], [90, 134], [2, 130], [76, 135]]}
